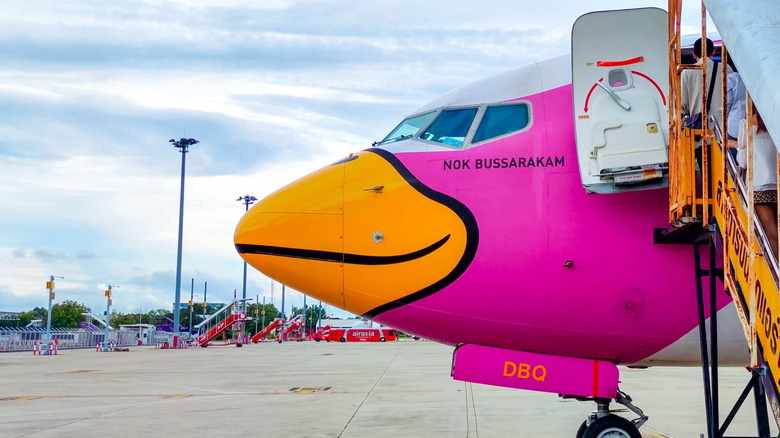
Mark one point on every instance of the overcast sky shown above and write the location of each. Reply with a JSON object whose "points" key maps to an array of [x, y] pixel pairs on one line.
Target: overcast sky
{"points": [[91, 92]]}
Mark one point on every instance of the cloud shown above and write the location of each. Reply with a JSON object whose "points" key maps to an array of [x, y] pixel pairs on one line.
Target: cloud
{"points": [[48, 256], [154, 279], [10, 302], [85, 255]]}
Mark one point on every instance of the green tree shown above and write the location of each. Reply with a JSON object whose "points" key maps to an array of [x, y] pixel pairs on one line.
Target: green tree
{"points": [[14, 322], [67, 314], [160, 313], [27, 317], [313, 314], [255, 320], [118, 318], [199, 313]]}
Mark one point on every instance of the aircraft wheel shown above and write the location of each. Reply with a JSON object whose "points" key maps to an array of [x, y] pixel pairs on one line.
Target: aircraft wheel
{"points": [[581, 430], [611, 426]]}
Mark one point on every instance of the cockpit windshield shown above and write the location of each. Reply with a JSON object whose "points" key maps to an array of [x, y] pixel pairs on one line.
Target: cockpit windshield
{"points": [[408, 128], [451, 127]]}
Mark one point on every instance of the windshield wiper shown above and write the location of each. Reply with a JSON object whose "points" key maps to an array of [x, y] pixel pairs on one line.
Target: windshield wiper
{"points": [[394, 139]]}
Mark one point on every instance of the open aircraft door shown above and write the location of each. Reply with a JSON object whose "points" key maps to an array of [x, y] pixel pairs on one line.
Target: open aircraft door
{"points": [[620, 79]]}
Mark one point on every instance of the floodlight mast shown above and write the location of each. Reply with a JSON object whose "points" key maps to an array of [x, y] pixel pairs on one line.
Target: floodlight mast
{"points": [[247, 200], [108, 293], [50, 286], [183, 145]]}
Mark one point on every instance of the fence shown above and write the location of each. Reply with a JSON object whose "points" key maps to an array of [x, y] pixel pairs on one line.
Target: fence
{"points": [[24, 339]]}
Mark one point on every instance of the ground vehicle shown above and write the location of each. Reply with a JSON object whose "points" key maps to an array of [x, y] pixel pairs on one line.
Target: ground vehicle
{"points": [[355, 334]]}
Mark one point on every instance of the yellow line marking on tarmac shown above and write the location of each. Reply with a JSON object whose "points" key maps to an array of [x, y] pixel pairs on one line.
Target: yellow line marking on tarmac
{"points": [[309, 390], [654, 435]]}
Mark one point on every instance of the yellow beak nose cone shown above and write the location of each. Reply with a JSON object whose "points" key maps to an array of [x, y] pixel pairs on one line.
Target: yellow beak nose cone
{"points": [[362, 234], [281, 235]]}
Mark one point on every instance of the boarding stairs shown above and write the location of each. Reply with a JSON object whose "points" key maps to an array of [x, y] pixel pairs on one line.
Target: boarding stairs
{"points": [[268, 329], [89, 326], [220, 321], [294, 329], [101, 319], [714, 209], [322, 334]]}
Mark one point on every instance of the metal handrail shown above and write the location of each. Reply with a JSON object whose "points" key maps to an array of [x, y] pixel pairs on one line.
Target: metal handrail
{"points": [[763, 241]]}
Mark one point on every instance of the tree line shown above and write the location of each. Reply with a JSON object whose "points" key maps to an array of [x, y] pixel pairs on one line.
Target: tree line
{"points": [[69, 314]]}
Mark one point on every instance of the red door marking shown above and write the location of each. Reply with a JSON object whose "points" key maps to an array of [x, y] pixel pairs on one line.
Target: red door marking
{"points": [[636, 60]]}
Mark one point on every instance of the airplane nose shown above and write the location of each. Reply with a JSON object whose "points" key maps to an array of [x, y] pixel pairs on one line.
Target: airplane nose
{"points": [[362, 234], [295, 235]]}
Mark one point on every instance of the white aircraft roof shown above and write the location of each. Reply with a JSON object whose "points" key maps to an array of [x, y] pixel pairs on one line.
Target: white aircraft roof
{"points": [[751, 32], [512, 84]]}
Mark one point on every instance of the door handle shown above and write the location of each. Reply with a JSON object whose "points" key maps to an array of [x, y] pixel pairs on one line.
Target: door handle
{"points": [[375, 189]]}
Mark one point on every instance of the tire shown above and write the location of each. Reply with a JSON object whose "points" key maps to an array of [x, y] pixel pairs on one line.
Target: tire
{"points": [[612, 426], [382, 339], [317, 340], [581, 430], [343, 340]]}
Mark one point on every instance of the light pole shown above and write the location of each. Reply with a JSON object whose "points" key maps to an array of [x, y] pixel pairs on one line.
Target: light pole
{"points": [[108, 315], [192, 296], [284, 320], [183, 145], [50, 286], [283, 301], [205, 290], [262, 324], [319, 314], [247, 200]]}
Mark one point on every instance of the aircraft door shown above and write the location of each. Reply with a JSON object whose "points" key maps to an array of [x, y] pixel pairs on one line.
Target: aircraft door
{"points": [[620, 80]]}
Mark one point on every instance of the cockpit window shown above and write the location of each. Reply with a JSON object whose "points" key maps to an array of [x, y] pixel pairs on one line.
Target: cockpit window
{"points": [[450, 127], [500, 120], [408, 128]]}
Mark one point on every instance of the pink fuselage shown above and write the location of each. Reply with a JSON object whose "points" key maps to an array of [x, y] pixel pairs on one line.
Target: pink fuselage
{"points": [[622, 298]]}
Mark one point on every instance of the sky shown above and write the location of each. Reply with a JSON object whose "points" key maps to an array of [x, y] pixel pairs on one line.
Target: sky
{"points": [[91, 92]]}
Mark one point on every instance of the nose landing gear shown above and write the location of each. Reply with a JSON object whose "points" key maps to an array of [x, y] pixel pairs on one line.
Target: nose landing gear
{"points": [[603, 424]]}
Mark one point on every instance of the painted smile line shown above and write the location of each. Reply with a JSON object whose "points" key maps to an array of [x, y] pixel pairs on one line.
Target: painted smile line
{"points": [[337, 257]]}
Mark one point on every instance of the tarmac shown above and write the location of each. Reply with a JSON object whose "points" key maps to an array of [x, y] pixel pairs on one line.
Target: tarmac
{"points": [[308, 389]]}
